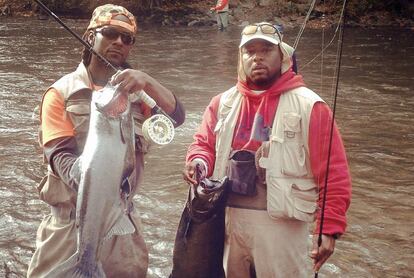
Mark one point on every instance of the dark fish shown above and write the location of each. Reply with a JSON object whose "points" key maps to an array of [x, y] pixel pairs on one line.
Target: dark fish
{"points": [[199, 242]]}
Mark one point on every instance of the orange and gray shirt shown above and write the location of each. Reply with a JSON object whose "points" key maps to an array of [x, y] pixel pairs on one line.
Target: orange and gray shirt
{"points": [[64, 126], [66, 106]]}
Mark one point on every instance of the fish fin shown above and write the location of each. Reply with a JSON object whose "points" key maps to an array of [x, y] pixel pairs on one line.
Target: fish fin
{"points": [[122, 227], [98, 272], [72, 268]]}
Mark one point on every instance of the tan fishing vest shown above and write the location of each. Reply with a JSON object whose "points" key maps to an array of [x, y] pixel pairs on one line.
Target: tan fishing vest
{"points": [[76, 93], [291, 190]]}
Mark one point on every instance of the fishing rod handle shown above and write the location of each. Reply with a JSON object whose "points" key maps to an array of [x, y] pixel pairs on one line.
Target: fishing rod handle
{"points": [[141, 95], [144, 97]]}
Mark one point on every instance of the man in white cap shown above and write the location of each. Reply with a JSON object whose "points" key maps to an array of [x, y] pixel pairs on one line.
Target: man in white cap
{"points": [[269, 134]]}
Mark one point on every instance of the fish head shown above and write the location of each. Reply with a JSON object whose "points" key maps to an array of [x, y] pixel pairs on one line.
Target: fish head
{"points": [[110, 101]]}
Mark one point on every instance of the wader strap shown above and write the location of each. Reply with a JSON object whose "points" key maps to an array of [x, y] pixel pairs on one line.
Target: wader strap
{"points": [[63, 212]]}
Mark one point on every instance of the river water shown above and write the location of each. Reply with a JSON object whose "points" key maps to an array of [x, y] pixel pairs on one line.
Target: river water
{"points": [[375, 113]]}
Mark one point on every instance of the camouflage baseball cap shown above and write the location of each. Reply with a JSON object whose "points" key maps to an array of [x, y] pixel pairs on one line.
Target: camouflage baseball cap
{"points": [[104, 15]]}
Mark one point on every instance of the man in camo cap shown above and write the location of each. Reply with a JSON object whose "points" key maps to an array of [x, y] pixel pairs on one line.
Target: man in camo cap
{"points": [[64, 125], [109, 15], [105, 15]]}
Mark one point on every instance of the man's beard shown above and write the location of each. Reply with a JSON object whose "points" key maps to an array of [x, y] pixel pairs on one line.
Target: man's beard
{"points": [[120, 64], [116, 62], [263, 82]]}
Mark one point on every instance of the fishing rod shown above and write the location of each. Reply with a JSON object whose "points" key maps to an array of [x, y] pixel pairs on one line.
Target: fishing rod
{"points": [[142, 95], [338, 67]]}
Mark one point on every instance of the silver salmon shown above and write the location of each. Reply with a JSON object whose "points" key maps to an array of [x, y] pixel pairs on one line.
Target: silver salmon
{"points": [[106, 164]]}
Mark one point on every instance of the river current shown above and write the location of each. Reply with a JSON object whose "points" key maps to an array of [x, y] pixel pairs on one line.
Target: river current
{"points": [[375, 114]]}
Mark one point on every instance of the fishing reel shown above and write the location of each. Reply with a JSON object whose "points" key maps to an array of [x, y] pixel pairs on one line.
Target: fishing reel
{"points": [[158, 129]]}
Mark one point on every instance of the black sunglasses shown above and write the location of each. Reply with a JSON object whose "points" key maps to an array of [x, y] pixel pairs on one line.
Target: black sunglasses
{"points": [[113, 34]]}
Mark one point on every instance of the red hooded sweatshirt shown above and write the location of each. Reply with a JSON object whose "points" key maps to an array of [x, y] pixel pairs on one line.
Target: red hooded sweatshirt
{"points": [[253, 127]]}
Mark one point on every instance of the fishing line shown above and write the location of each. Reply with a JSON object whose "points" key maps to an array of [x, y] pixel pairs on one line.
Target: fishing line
{"points": [[142, 95], [299, 36], [338, 67], [325, 136], [86, 44], [329, 43]]}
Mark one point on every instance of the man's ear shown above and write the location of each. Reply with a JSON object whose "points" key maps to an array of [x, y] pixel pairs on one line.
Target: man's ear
{"points": [[91, 38]]}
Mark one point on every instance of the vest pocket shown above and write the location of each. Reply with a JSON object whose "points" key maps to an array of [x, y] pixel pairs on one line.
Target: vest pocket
{"points": [[293, 159], [78, 107], [54, 192], [79, 112], [291, 198], [305, 196], [293, 150]]}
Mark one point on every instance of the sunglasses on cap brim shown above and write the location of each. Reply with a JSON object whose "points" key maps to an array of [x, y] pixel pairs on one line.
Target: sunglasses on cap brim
{"points": [[266, 29], [113, 34]]}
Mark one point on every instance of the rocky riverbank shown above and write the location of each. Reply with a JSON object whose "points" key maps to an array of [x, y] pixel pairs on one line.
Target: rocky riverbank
{"points": [[196, 13]]}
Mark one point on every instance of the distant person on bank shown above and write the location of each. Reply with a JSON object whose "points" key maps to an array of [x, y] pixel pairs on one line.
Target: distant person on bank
{"points": [[222, 14]]}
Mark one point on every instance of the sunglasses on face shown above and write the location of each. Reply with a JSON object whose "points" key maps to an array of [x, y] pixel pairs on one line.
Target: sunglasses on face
{"points": [[113, 34], [267, 29]]}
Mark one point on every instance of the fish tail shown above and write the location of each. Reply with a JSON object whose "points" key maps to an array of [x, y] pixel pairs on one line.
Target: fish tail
{"points": [[72, 268], [96, 272]]}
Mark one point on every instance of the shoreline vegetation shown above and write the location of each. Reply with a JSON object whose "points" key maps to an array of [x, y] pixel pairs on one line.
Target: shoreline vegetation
{"points": [[365, 13]]}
